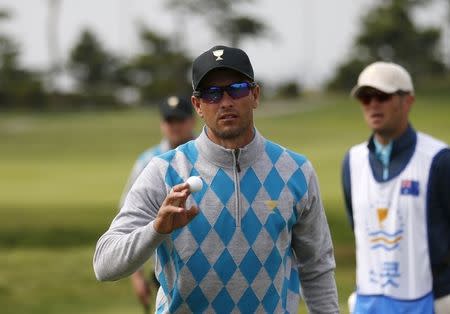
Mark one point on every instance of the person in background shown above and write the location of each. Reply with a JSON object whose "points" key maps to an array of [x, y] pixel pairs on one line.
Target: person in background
{"points": [[396, 187], [177, 127]]}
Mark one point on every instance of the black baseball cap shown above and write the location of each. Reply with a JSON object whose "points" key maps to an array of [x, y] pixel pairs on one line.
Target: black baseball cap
{"points": [[221, 57], [175, 107]]}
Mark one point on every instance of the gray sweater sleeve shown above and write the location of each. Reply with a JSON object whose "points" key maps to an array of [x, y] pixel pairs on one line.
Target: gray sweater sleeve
{"points": [[131, 239], [314, 250]]}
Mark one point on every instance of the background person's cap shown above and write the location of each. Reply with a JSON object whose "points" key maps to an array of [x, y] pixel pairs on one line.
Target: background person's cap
{"points": [[175, 107], [385, 76], [220, 57]]}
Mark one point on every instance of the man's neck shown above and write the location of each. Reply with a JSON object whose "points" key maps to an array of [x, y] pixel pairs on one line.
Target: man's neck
{"points": [[384, 138]]}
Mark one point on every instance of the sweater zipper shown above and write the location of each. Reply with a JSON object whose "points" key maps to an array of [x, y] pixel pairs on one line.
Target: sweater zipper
{"points": [[237, 188]]}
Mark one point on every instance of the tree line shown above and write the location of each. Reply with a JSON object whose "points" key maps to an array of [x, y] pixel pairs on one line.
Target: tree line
{"points": [[104, 80], [388, 32]]}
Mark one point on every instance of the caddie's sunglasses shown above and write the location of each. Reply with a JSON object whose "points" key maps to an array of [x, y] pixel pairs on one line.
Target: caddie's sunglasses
{"points": [[365, 97], [213, 94]]}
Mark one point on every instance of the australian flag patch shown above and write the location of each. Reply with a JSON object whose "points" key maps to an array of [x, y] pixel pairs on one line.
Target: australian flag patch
{"points": [[409, 187]]}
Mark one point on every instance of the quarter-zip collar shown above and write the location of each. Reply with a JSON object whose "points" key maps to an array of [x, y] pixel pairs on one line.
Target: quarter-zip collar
{"points": [[224, 157]]}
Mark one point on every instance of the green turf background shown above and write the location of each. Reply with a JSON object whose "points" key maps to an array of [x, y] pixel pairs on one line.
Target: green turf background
{"points": [[61, 176]]}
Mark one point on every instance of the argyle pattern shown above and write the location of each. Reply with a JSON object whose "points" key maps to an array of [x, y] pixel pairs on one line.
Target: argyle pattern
{"points": [[236, 255]]}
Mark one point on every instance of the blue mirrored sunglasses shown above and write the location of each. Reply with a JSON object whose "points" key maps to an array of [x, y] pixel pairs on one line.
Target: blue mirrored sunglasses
{"points": [[213, 94]]}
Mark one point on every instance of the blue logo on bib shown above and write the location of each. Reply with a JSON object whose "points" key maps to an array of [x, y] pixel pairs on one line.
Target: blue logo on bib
{"points": [[409, 187]]}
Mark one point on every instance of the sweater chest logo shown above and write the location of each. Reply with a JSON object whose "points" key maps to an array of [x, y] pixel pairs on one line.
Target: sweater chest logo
{"points": [[271, 204], [409, 187]]}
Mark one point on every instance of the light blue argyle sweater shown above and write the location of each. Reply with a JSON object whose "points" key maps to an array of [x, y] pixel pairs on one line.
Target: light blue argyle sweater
{"points": [[260, 234]]}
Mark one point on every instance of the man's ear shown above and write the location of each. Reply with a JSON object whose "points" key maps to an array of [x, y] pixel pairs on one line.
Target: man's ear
{"points": [[196, 104], [409, 100], [256, 93]]}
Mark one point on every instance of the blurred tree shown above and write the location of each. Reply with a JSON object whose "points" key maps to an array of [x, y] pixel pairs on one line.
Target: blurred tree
{"points": [[389, 33], [94, 70], [20, 89], [223, 19], [288, 89], [237, 28], [347, 74], [158, 71], [53, 42], [4, 14], [91, 65], [447, 32]]}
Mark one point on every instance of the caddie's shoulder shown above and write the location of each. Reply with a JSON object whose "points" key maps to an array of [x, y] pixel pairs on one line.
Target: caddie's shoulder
{"points": [[361, 147]]}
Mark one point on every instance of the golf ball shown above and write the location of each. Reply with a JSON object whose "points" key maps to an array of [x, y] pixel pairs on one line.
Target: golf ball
{"points": [[195, 183]]}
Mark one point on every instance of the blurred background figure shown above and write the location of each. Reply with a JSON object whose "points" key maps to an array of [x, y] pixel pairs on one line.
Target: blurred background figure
{"points": [[396, 191], [177, 127]]}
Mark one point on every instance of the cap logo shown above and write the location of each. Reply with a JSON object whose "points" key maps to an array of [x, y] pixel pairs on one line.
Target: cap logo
{"points": [[218, 54], [173, 101]]}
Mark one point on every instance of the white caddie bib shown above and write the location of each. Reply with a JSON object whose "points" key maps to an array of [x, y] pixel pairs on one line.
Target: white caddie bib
{"points": [[391, 224]]}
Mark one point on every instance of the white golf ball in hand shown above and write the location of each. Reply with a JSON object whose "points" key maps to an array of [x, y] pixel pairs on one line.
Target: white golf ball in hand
{"points": [[195, 183]]}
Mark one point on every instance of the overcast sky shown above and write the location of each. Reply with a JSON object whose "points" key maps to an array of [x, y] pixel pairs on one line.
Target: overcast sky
{"points": [[309, 37]]}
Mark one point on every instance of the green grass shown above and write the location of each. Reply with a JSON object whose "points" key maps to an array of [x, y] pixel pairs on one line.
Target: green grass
{"points": [[40, 280], [62, 175]]}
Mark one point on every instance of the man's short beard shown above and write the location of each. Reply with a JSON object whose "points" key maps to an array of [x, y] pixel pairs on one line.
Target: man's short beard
{"points": [[229, 134]]}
